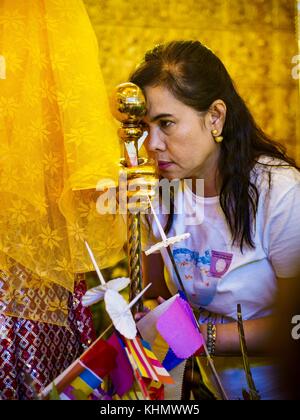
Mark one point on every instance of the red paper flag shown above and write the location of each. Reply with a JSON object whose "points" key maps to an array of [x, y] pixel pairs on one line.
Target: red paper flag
{"points": [[101, 358]]}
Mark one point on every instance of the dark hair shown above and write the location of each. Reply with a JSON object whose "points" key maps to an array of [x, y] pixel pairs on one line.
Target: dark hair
{"points": [[197, 77]]}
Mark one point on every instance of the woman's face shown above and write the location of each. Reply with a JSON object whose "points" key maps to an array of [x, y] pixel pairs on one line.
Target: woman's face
{"points": [[179, 137]]}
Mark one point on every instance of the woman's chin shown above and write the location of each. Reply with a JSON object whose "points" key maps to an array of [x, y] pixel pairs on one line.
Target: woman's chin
{"points": [[171, 174], [169, 177]]}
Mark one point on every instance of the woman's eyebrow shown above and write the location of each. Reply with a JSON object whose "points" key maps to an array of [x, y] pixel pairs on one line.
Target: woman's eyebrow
{"points": [[157, 117]]}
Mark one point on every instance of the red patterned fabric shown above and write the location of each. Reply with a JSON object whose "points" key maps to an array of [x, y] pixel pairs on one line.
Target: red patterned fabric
{"points": [[32, 353]]}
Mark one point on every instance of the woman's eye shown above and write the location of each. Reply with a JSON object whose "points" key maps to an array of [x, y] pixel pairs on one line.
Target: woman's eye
{"points": [[165, 124]]}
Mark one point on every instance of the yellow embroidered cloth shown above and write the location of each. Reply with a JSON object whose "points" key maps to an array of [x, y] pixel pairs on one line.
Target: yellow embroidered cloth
{"points": [[57, 140]]}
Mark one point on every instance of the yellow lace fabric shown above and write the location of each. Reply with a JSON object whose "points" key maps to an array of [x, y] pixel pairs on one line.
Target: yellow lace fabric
{"points": [[57, 140]]}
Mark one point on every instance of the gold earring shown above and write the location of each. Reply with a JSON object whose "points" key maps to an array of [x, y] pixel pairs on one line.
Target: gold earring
{"points": [[218, 139]]}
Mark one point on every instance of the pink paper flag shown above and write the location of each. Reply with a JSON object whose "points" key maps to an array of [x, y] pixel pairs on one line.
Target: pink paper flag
{"points": [[177, 326], [122, 375]]}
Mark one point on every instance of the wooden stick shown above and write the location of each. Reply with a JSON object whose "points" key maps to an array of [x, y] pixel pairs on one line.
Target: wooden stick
{"points": [[254, 394]]}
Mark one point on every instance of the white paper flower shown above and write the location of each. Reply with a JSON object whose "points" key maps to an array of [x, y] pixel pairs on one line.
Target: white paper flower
{"points": [[97, 293], [119, 311], [167, 242], [116, 306], [120, 314]]}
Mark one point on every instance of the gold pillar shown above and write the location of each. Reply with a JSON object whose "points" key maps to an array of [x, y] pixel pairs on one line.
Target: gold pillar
{"points": [[128, 106]]}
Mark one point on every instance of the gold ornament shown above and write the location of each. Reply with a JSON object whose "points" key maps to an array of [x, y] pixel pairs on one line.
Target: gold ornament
{"points": [[218, 139]]}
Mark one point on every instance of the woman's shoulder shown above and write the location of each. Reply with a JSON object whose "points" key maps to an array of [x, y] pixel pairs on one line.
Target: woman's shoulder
{"points": [[273, 173]]}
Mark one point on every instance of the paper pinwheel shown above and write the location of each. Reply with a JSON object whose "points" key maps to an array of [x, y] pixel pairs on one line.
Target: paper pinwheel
{"points": [[119, 311], [166, 242], [116, 306], [97, 293]]}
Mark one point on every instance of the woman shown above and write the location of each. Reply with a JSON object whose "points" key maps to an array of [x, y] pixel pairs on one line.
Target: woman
{"points": [[248, 241]]}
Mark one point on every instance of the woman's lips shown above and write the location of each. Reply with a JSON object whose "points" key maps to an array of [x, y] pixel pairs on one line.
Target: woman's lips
{"points": [[163, 165]]}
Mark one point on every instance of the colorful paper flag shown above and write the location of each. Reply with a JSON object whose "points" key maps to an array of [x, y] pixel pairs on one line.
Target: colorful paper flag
{"points": [[148, 365], [100, 358], [87, 372], [178, 327], [171, 360], [85, 383], [139, 379], [162, 374]]}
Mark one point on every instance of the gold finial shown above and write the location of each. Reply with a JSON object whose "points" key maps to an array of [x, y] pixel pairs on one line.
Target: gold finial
{"points": [[128, 104]]}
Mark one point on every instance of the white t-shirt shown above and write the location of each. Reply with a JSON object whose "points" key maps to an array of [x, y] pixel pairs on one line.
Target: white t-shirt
{"points": [[217, 275]]}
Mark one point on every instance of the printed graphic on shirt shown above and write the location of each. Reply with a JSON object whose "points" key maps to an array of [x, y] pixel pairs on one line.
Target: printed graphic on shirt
{"points": [[201, 272]]}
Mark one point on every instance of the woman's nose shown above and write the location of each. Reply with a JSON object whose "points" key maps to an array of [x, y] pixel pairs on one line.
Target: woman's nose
{"points": [[154, 142]]}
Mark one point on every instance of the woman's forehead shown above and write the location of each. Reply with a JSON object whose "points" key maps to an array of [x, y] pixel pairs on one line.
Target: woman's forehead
{"points": [[160, 101]]}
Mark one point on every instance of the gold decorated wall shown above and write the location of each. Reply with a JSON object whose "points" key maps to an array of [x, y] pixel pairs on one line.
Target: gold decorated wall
{"points": [[255, 39]]}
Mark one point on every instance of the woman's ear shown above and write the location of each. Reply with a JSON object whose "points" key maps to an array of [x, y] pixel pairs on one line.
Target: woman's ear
{"points": [[217, 115]]}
